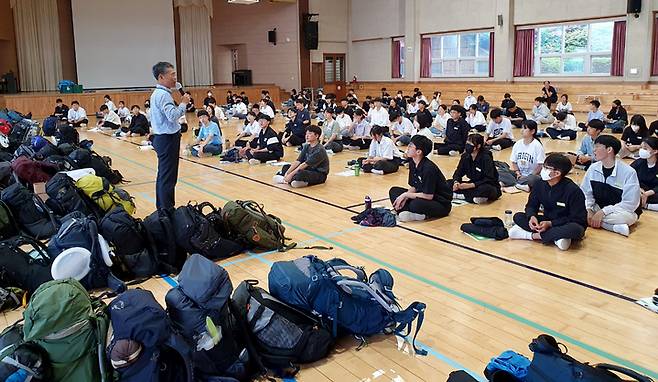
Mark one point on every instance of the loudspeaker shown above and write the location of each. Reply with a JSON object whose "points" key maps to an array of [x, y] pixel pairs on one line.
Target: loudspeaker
{"points": [[271, 36], [310, 34], [242, 78], [634, 6]]}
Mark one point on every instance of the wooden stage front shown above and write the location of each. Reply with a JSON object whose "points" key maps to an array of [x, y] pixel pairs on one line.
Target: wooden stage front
{"points": [[41, 104]]}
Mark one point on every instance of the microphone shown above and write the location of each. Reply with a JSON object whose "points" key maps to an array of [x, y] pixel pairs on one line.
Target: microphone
{"points": [[179, 87]]}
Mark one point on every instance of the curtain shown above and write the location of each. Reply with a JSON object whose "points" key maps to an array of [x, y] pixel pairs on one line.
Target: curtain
{"points": [[425, 57], [195, 42], [524, 53], [395, 60], [37, 44], [491, 54], [618, 48], [654, 62]]}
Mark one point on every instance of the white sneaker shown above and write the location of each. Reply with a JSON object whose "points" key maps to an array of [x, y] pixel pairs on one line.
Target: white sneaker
{"points": [[496, 147], [377, 172], [523, 187], [123, 134], [621, 229], [563, 244], [453, 153], [518, 233], [565, 138], [83, 125], [278, 179], [298, 184], [330, 152], [145, 143], [458, 196], [254, 161], [407, 216], [480, 200]]}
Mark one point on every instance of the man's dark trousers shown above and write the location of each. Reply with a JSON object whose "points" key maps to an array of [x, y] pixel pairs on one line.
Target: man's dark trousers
{"points": [[167, 146]]}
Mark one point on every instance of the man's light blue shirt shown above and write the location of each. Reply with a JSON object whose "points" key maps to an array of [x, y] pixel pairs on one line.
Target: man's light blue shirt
{"points": [[164, 112]]}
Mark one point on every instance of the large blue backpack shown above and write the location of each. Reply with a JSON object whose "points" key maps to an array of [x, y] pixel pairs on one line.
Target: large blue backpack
{"points": [[358, 305], [49, 127], [143, 347]]}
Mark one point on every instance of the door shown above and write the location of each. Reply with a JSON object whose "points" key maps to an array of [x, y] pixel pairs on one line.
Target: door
{"points": [[334, 74]]}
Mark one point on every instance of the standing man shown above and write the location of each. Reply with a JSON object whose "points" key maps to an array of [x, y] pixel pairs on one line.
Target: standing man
{"points": [[166, 132]]}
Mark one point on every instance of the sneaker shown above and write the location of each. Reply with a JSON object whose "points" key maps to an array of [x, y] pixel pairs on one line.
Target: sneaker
{"points": [[123, 134], [523, 187], [621, 229], [458, 196], [145, 143], [496, 147], [298, 184], [563, 244], [407, 216], [377, 172], [278, 179], [565, 138], [254, 161], [83, 125], [453, 153], [480, 200]]}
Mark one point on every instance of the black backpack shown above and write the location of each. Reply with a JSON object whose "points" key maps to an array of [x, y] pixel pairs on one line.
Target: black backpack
{"points": [[283, 336], [49, 126], [20, 132], [28, 356], [31, 213], [8, 226], [64, 197], [84, 158], [67, 134], [62, 162], [22, 269], [196, 234], [160, 230]]}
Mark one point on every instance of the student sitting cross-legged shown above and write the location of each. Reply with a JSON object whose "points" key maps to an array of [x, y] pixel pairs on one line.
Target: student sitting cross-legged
{"points": [[611, 188], [647, 173], [527, 158], [564, 216], [402, 129], [358, 135], [594, 113], [331, 138], [209, 139], [476, 119], [294, 134], [633, 135], [540, 112], [499, 131], [478, 166], [585, 155], [383, 156], [455, 135], [429, 195], [110, 119], [250, 131], [139, 125], [266, 146], [312, 165], [77, 116], [564, 127]]}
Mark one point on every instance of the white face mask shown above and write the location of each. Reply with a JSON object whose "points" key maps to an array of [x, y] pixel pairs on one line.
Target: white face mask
{"points": [[546, 174], [645, 154], [635, 128]]}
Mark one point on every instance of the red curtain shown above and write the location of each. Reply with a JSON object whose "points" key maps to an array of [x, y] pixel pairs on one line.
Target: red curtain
{"points": [[425, 57], [654, 62], [524, 53], [395, 60], [618, 48], [491, 54]]}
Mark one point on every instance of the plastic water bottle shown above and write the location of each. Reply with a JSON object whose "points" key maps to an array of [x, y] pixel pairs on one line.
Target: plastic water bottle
{"points": [[368, 202], [357, 169], [509, 219]]}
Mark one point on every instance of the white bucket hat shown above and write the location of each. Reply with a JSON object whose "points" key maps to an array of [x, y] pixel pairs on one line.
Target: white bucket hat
{"points": [[73, 262]]}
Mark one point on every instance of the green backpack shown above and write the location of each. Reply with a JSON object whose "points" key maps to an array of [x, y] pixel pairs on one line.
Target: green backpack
{"points": [[248, 221], [71, 326]]}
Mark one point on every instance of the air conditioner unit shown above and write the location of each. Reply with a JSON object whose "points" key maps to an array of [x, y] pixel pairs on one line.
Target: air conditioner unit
{"points": [[247, 2]]}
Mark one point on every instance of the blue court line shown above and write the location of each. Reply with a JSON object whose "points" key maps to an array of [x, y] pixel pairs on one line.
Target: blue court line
{"points": [[592, 349]]}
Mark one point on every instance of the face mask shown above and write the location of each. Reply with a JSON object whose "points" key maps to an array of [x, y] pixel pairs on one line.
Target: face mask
{"points": [[635, 128], [546, 174], [644, 154], [469, 149]]}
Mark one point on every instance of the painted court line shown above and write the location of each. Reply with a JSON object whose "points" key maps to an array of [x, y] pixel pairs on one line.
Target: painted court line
{"points": [[461, 295]]}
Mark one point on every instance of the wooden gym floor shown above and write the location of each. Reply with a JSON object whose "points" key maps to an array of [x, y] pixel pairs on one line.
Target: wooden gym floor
{"points": [[483, 297]]}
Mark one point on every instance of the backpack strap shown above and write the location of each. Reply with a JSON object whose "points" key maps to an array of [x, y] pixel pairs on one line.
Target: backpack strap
{"points": [[405, 318]]}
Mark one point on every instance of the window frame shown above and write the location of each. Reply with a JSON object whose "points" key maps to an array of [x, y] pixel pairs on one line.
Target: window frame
{"points": [[458, 59], [334, 57], [402, 56]]}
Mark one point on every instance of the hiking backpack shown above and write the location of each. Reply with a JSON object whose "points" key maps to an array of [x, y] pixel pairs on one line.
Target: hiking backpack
{"points": [[28, 360], [160, 229], [104, 194], [71, 327], [64, 197], [23, 269], [84, 158], [248, 221], [203, 294], [143, 347], [79, 231], [49, 126], [30, 212], [359, 305], [283, 336], [31, 171], [196, 234], [21, 132], [8, 226], [67, 134]]}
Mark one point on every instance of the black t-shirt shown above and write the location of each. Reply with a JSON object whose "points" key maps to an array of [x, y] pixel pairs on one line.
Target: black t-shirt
{"points": [[631, 137], [607, 171], [518, 113], [427, 178]]}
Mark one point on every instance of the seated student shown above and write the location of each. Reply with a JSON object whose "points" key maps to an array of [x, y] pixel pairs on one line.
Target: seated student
{"points": [[239, 109], [311, 166], [209, 138], [429, 195], [469, 100], [423, 117], [462, 111], [594, 113], [585, 155], [77, 116], [249, 132], [358, 135], [331, 137], [476, 119], [564, 127], [412, 108], [367, 104], [383, 156], [483, 106], [499, 132], [394, 108], [456, 134], [265, 108], [229, 98], [540, 112], [478, 166], [139, 125], [420, 97], [244, 98], [190, 105], [611, 188], [218, 112], [147, 110], [633, 135], [295, 132], [123, 112], [526, 160], [402, 129], [647, 173], [434, 104], [440, 121], [564, 106], [550, 94], [515, 114], [378, 115], [564, 216], [266, 146], [343, 119], [401, 100], [506, 103], [348, 110], [209, 99], [110, 119], [61, 110], [617, 117], [108, 102]]}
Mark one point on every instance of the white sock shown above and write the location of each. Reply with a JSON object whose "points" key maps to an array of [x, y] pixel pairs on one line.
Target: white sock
{"points": [[621, 229], [458, 196], [298, 184], [480, 200], [278, 179], [563, 244], [518, 233], [652, 207]]}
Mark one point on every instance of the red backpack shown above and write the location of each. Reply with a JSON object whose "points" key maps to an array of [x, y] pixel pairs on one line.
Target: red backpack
{"points": [[5, 127], [31, 171]]}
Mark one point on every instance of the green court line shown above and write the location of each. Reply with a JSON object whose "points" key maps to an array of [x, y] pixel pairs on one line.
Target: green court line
{"points": [[446, 289]]}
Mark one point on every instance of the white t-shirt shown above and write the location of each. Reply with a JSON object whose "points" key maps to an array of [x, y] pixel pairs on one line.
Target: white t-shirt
{"points": [[564, 108], [267, 110], [403, 128], [384, 149], [378, 117], [344, 121], [468, 101], [112, 117], [495, 130], [252, 128], [527, 157], [123, 112], [76, 115], [440, 121], [569, 123], [240, 108], [412, 109], [476, 120], [110, 105]]}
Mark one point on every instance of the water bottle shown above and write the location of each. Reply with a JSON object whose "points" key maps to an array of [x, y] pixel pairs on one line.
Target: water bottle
{"points": [[357, 169], [368, 202], [509, 219]]}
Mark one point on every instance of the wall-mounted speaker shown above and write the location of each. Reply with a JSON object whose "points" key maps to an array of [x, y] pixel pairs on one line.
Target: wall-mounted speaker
{"points": [[271, 36], [634, 6]]}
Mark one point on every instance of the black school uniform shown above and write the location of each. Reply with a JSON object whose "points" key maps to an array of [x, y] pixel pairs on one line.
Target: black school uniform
{"points": [[424, 118], [630, 137], [482, 172], [648, 177], [428, 179], [564, 207], [267, 139], [456, 135], [518, 113]]}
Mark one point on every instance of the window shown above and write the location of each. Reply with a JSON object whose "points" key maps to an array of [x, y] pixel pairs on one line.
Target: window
{"points": [[578, 49], [460, 55], [334, 68], [397, 58]]}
